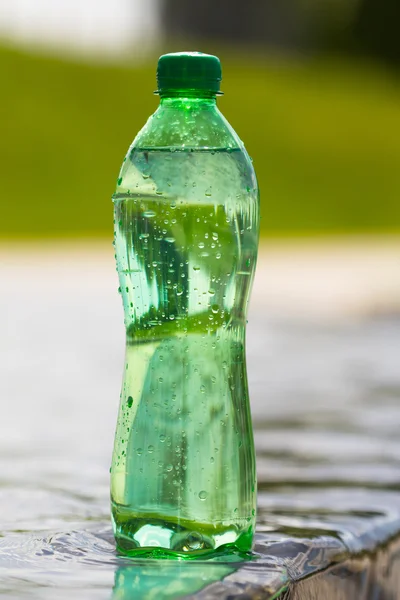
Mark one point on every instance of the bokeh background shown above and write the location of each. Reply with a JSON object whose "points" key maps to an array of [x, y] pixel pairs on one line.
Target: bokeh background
{"points": [[311, 87]]}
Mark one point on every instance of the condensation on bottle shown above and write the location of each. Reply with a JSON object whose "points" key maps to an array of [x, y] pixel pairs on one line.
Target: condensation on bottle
{"points": [[183, 479]]}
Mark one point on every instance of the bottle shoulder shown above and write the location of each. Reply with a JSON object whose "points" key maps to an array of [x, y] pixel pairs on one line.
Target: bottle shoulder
{"points": [[198, 128], [180, 152]]}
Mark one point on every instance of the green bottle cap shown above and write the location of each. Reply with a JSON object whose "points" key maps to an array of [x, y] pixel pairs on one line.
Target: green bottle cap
{"points": [[189, 70]]}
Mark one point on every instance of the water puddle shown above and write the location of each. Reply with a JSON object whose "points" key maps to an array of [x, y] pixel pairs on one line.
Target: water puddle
{"points": [[326, 409]]}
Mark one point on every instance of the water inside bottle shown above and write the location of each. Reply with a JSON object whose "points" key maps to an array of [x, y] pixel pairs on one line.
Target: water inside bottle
{"points": [[183, 474]]}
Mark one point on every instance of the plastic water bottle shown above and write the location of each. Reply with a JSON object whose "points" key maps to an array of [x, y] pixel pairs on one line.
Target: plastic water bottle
{"points": [[183, 480]]}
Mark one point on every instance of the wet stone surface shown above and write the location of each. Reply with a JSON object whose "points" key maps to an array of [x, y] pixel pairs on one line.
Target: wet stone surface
{"points": [[326, 410]]}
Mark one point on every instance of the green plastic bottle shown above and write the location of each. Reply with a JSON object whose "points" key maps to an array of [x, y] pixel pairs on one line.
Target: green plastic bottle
{"points": [[183, 479]]}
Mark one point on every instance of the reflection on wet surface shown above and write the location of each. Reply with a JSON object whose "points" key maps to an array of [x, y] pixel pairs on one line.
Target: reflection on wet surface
{"points": [[326, 410]]}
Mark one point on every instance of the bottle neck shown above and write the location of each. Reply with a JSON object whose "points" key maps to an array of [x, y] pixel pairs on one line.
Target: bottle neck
{"points": [[188, 99]]}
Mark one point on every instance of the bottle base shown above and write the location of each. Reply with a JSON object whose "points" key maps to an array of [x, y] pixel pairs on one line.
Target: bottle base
{"points": [[152, 537]]}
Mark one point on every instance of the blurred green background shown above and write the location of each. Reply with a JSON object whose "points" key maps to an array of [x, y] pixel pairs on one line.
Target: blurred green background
{"points": [[318, 110]]}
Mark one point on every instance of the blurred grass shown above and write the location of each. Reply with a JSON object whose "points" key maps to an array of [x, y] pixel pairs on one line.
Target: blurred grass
{"points": [[324, 136]]}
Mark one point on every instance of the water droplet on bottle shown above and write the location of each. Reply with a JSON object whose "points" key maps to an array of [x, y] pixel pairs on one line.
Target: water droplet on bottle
{"points": [[203, 495], [193, 541]]}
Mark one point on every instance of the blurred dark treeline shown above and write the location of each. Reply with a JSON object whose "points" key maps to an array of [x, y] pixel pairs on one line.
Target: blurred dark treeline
{"points": [[361, 27]]}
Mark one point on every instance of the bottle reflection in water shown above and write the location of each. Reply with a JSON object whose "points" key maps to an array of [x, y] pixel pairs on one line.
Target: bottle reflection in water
{"points": [[170, 580]]}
